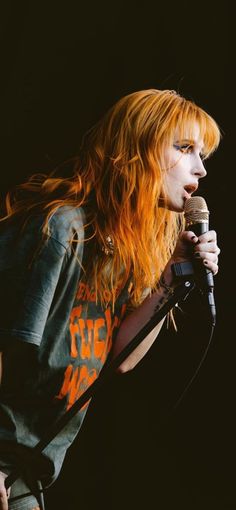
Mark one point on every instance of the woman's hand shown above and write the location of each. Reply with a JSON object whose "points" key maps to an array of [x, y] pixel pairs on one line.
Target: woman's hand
{"points": [[207, 250], [203, 248]]}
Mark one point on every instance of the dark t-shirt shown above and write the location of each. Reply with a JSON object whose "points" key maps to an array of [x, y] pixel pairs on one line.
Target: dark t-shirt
{"points": [[55, 338]]}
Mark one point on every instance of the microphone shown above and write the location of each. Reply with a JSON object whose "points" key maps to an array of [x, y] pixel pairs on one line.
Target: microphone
{"points": [[197, 219]]}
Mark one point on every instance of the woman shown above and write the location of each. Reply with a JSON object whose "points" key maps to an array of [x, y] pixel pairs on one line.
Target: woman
{"points": [[86, 260]]}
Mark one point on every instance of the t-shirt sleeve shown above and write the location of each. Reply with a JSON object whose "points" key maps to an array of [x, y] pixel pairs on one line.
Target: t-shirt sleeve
{"points": [[28, 296], [28, 290]]}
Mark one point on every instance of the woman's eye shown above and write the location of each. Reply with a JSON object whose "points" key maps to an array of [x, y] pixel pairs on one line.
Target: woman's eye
{"points": [[185, 148]]}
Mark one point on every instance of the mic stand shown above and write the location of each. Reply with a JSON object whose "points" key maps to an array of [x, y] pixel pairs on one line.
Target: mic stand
{"points": [[179, 293]]}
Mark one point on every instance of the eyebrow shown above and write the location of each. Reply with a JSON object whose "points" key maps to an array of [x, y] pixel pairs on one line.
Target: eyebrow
{"points": [[185, 141], [192, 142]]}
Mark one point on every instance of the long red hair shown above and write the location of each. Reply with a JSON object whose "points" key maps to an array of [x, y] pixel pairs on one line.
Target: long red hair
{"points": [[118, 176]]}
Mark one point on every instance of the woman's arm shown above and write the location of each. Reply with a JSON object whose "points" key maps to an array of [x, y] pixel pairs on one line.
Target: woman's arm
{"points": [[187, 246], [3, 493], [134, 322]]}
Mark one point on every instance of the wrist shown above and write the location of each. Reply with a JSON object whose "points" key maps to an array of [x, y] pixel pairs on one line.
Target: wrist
{"points": [[165, 285], [168, 278]]}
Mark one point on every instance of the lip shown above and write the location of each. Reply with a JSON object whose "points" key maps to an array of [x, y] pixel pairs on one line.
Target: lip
{"points": [[190, 189]]}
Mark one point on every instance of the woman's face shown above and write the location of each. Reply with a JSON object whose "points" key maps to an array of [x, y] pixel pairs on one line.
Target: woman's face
{"points": [[183, 169]]}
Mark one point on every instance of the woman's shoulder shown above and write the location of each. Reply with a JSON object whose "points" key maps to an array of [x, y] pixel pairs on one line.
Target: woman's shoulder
{"points": [[66, 223], [66, 217]]}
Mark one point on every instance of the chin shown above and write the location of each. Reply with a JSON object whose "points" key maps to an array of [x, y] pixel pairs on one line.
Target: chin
{"points": [[175, 207]]}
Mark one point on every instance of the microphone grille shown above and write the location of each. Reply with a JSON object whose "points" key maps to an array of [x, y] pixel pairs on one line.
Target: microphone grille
{"points": [[196, 210]]}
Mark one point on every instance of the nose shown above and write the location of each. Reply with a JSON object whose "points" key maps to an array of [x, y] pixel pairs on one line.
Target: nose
{"points": [[200, 170]]}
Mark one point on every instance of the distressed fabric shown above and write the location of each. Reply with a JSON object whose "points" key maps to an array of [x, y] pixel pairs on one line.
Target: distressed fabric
{"points": [[55, 338], [28, 502]]}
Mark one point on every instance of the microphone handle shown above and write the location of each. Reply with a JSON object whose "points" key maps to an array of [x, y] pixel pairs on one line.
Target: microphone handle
{"points": [[204, 277], [203, 274]]}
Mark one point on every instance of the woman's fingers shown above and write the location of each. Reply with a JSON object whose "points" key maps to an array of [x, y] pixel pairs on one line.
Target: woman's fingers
{"points": [[212, 257], [211, 266]]}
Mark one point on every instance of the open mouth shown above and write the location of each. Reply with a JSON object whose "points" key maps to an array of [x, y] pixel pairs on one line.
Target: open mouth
{"points": [[191, 188]]}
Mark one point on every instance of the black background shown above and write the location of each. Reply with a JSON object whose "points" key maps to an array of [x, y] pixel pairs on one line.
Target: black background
{"points": [[63, 64]]}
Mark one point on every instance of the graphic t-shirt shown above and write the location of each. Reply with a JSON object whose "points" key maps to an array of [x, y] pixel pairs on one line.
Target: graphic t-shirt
{"points": [[54, 337]]}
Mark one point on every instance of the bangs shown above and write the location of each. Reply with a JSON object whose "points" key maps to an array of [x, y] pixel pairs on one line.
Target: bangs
{"points": [[188, 116]]}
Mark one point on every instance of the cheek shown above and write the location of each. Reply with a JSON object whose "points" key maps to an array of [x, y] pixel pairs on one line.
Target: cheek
{"points": [[171, 162], [168, 184], [174, 158], [172, 176]]}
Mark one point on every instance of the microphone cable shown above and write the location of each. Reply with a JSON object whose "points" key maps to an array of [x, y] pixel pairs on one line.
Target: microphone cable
{"points": [[182, 395]]}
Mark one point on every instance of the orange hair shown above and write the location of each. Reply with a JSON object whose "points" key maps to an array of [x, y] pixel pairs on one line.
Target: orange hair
{"points": [[118, 176]]}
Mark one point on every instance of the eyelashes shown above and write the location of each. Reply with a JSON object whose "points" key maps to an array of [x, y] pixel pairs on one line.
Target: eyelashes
{"points": [[186, 149]]}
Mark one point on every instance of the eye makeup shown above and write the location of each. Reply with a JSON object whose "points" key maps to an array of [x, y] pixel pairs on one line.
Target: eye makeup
{"points": [[186, 147]]}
